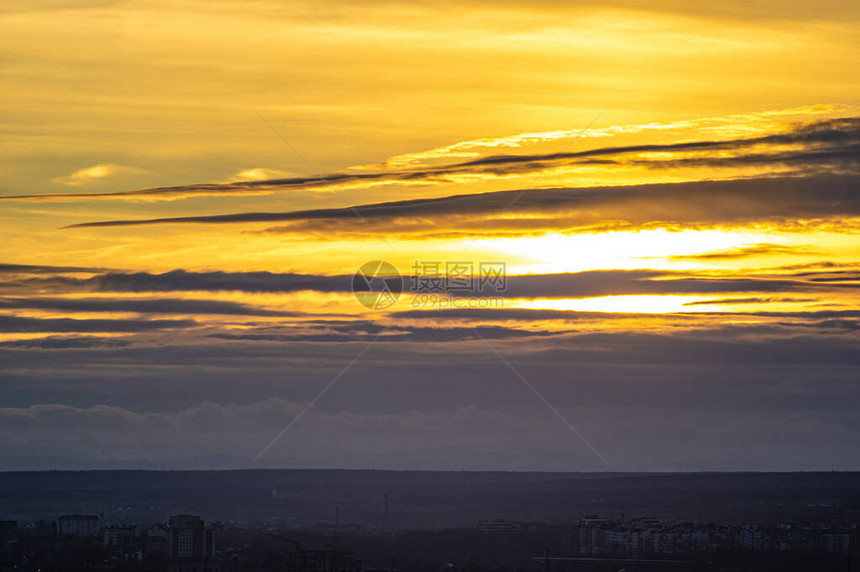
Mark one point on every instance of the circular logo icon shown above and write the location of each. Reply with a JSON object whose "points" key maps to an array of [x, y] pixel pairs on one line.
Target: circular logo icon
{"points": [[377, 285]]}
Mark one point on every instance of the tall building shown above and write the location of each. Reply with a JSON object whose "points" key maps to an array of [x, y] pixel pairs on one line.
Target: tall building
{"points": [[81, 525], [156, 540], [591, 537], [123, 541], [185, 534], [190, 544], [120, 535]]}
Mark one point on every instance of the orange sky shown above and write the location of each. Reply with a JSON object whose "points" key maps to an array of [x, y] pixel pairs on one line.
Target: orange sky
{"points": [[652, 176]]}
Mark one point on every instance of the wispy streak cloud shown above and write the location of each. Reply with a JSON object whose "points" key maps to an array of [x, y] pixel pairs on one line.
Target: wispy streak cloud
{"points": [[828, 145]]}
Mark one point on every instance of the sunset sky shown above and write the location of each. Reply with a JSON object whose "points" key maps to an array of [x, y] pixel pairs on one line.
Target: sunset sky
{"points": [[187, 188]]}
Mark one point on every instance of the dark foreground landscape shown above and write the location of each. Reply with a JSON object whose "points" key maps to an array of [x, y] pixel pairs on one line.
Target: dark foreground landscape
{"points": [[333, 520]]}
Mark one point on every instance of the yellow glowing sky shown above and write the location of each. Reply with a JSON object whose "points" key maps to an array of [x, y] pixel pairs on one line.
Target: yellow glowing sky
{"points": [[107, 97], [168, 91], [187, 187]]}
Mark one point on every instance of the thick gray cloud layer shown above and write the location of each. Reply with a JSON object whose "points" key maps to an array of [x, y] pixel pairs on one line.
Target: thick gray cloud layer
{"points": [[426, 395], [743, 397]]}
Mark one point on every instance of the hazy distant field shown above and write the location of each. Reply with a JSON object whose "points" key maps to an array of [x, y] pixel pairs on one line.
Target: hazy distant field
{"points": [[427, 499]]}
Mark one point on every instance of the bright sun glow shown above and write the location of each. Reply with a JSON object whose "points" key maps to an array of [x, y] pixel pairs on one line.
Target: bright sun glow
{"points": [[620, 250], [621, 304]]}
